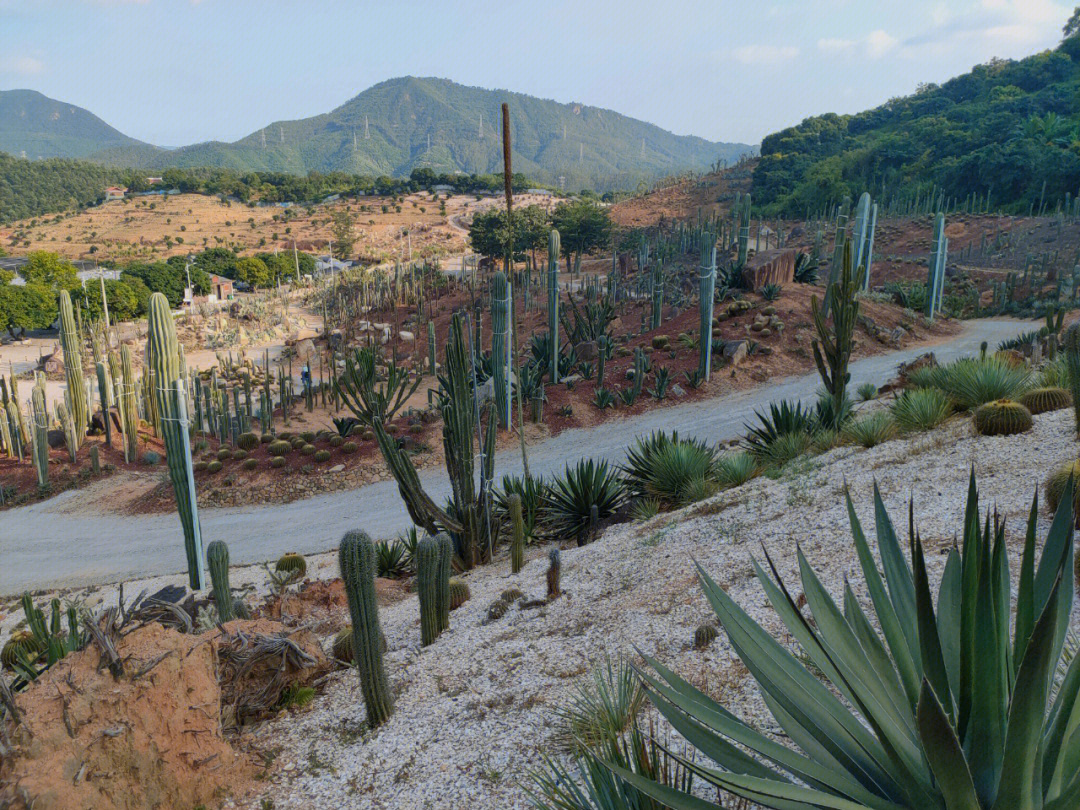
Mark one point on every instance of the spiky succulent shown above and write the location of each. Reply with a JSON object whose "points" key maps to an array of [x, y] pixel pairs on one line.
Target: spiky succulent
{"points": [[668, 468], [1042, 400], [22, 644], [567, 509], [1002, 417], [919, 706], [459, 593], [704, 635], [1058, 481], [292, 563], [920, 409]]}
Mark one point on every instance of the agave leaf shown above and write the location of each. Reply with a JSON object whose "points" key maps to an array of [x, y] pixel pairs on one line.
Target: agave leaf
{"points": [[1019, 788], [1061, 725], [1069, 798], [948, 616], [930, 643], [1057, 555], [897, 574], [969, 584], [999, 571], [875, 651], [812, 705], [1025, 607], [907, 666], [944, 754]]}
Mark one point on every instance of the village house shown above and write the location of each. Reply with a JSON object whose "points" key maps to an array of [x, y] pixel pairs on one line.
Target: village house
{"points": [[114, 193]]}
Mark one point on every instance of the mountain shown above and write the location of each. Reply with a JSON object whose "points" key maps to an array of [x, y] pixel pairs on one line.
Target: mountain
{"points": [[1008, 129], [391, 129], [35, 126]]}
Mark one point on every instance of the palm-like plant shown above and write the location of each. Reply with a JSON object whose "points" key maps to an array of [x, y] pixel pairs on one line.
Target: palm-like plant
{"points": [[567, 507], [941, 710]]}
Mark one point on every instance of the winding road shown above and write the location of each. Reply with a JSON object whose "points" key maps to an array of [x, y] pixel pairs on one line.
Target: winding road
{"points": [[43, 549]]}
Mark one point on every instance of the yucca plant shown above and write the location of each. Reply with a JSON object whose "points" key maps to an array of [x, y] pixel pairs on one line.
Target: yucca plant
{"points": [[971, 381], [866, 391], [770, 292], [781, 419], [666, 467], [391, 559], [735, 469], [941, 709], [601, 708], [567, 507], [920, 409], [871, 430]]}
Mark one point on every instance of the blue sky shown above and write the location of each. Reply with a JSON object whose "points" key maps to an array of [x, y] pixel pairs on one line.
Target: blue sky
{"points": [[179, 71]]}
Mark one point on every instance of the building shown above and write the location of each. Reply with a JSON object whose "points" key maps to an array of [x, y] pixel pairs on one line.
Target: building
{"points": [[114, 193], [153, 181]]}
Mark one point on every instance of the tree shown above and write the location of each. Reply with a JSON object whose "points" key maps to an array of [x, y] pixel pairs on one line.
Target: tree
{"points": [[49, 270], [1072, 27], [160, 277], [29, 306], [253, 271], [216, 261], [342, 231], [583, 226], [122, 297], [488, 237]]}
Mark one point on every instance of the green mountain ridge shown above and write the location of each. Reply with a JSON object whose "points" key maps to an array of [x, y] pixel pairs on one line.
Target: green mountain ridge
{"points": [[407, 123]]}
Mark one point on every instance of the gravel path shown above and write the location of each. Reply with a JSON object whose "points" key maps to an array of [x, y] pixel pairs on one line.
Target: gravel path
{"points": [[44, 547]]}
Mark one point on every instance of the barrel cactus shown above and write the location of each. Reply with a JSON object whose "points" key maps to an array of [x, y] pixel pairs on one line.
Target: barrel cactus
{"points": [[357, 561], [292, 563], [511, 595], [496, 610], [217, 560], [247, 441], [1002, 417], [1042, 400], [1056, 483], [459, 593], [342, 645], [213, 467], [22, 644], [279, 448], [322, 455], [704, 636], [277, 462]]}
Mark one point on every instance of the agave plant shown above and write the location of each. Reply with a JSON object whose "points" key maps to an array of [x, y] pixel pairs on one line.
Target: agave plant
{"points": [[392, 559], [971, 382], [870, 430], [783, 418], [940, 709], [531, 491], [920, 409], [668, 468], [567, 506]]}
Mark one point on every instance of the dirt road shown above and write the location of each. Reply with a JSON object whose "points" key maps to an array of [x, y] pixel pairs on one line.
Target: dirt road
{"points": [[44, 547]]}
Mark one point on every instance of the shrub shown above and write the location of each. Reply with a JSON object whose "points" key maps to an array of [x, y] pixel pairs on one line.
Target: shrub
{"points": [[1002, 417], [920, 409], [977, 708], [531, 491], [1042, 400], [391, 559], [567, 509], [600, 710], [872, 430], [735, 469], [787, 448]]}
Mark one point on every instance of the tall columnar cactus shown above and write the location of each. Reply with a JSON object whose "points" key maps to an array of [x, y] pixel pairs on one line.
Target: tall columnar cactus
{"points": [[446, 556], [429, 588], [163, 359], [356, 558], [833, 343], [500, 345], [39, 416], [935, 279], [67, 424], [73, 368], [657, 286], [744, 230], [553, 303], [1070, 345], [217, 560], [862, 224], [5, 433], [867, 258], [707, 285], [105, 392], [554, 587], [432, 354], [517, 533], [838, 251]]}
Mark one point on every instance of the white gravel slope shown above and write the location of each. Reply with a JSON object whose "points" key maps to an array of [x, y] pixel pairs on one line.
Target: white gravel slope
{"points": [[474, 711]]}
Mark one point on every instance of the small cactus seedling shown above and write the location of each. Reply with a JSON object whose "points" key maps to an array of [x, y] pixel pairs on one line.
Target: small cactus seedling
{"points": [[704, 636], [554, 568]]}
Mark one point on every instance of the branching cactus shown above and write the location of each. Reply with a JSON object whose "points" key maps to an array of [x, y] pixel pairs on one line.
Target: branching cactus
{"points": [[73, 368], [39, 416], [517, 533], [217, 559], [553, 303], [833, 343], [429, 589], [357, 562], [500, 339], [163, 358]]}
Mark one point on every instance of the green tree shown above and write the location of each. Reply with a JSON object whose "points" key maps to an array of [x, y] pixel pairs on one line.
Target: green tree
{"points": [[342, 230], [1072, 27], [488, 236], [49, 270], [253, 271], [122, 297], [583, 226], [27, 306]]}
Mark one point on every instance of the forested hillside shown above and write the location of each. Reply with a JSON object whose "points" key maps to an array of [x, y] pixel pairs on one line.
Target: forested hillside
{"points": [[1007, 129]]}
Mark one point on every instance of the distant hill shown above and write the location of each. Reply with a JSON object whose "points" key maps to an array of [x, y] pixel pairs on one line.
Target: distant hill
{"points": [[37, 127], [391, 129], [1007, 129]]}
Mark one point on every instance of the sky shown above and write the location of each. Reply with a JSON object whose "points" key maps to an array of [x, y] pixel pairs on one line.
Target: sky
{"points": [[173, 72]]}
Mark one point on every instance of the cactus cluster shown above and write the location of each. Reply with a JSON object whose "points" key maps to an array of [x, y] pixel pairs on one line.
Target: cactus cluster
{"points": [[1002, 417], [356, 559], [75, 394]]}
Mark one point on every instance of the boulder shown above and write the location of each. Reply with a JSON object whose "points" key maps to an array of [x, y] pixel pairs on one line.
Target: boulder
{"points": [[734, 352]]}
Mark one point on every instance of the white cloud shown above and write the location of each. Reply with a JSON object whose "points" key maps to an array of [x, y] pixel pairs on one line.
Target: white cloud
{"points": [[21, 65], [764, 54], [879, 43], [835, 45]]}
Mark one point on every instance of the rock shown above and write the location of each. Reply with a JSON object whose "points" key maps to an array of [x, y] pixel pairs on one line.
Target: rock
{"points": [[586, 350], [337, 468], [678, 391], [408, 337], [305, 349], [55, 439], [735, 352], [486, 392], [571, 380]]}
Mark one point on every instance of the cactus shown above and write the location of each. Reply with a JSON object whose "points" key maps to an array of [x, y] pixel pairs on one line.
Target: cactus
{"points": [[293, 564], [5, 433], [517, 533], [40, 435], [1042, 400], [95, 460], [500, 345], [459, 593], [704, 636], [553, 303], [446, 555], [217, 560], [1002, 417], [21, 645], [429, 584], [1071, 346], [496, 610], [707, 284], [67, 424], [357, 562], [743, 221], [657, 296], [129, 406], [554, 568], [833, 343], [247, 441], [105, 393], [73, 369], [432, 364], [163, 359], [1056, 483], [935, 279]]}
